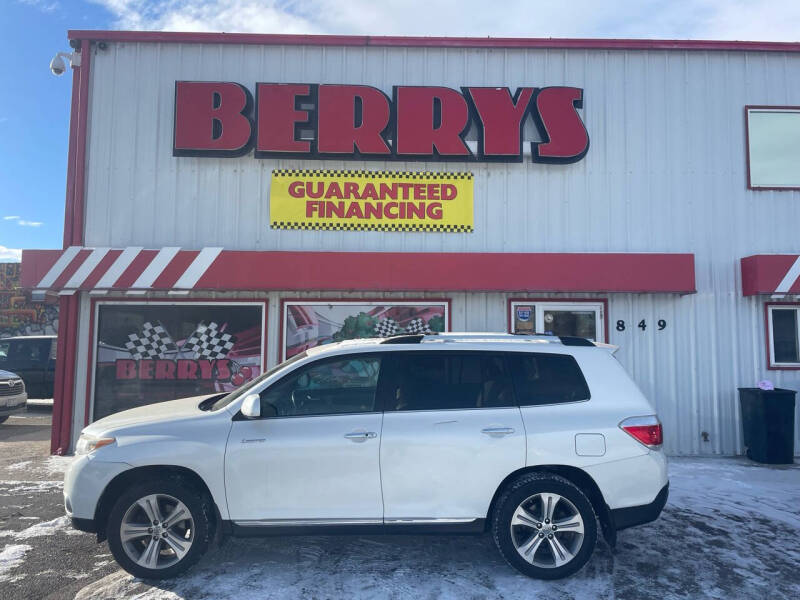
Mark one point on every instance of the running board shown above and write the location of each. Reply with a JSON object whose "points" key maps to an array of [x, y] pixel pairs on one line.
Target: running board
{"points": [[267, 527]]}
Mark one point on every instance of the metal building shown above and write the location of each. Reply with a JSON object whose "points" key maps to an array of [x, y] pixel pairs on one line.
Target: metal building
{"points": [[668, 225]]}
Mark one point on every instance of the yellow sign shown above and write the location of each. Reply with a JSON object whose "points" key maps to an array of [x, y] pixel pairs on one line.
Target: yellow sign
{"points": [[381, 200]]}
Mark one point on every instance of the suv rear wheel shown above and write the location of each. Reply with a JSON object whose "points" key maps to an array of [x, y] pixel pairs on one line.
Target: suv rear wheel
{"points": [[158, 529], [544, 526]]}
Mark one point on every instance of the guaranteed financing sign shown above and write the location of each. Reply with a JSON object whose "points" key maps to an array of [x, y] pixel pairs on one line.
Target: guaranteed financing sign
{"points": [[376, 200]]}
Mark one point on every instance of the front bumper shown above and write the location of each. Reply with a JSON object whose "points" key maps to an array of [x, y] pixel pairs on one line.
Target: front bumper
{"points": [[12, 404], [631, 516], [84, 483]]}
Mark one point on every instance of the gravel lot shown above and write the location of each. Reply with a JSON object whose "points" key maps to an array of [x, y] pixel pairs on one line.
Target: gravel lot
{"points": [[731, 530]]}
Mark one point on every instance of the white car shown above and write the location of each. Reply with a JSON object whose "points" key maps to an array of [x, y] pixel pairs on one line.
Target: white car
{"points": [[534, 439], [13, 397]]}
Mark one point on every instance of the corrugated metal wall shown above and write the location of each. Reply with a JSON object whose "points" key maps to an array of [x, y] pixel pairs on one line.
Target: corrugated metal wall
{"points": [[666, 171]]}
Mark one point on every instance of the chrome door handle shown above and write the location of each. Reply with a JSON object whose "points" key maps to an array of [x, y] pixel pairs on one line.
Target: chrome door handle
{"points": [[360, 436], [497, 430]]}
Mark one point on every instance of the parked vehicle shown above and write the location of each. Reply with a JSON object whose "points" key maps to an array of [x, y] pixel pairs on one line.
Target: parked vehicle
{"points": [[34, 359], [12, 395], [535, 439]]}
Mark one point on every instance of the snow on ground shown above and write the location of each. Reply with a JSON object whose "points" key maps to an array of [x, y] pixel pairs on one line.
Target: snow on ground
{"points": [[44, 528], [10, 558], [729, 531], [28, 487], [24, 465], [58, 465]]}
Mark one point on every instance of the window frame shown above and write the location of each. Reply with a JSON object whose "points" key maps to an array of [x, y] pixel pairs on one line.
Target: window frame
{"points": [[541, 304], [770, 340], [764, 108], [444, 302], [94, 322], [377, 406]]}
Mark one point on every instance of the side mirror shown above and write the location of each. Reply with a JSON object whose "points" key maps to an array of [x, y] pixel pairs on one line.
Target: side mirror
{"points": [[251, 406]]}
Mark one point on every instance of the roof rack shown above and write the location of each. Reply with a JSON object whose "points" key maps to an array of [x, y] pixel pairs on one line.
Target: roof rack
{"points": [[449, 337], [404, 338]]}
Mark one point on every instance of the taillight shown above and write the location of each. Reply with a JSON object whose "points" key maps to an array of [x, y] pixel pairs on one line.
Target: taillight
{"points": [[646, 430]]}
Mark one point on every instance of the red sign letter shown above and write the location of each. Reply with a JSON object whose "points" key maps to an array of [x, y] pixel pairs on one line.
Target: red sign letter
{"points": [[277, 116], [561, 125], [351, 118], [502, 118], [210, 119], [430, 119]]}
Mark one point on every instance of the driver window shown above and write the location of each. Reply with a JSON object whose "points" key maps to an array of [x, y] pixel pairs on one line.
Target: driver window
{"points": [[335, 386]]}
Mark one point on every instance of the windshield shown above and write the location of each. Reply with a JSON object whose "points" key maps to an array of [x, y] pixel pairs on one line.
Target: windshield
{"points": [[242, 391]]}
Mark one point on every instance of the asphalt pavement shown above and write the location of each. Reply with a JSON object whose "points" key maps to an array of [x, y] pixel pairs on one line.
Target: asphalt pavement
{"points": [[48, 560]]}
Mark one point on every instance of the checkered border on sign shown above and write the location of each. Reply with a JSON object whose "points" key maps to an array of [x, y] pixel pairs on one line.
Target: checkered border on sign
{"points": [[436, 227], [369, 174]]}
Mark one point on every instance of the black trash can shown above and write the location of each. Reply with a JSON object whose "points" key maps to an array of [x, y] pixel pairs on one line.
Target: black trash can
{"points": [[768, 423]]}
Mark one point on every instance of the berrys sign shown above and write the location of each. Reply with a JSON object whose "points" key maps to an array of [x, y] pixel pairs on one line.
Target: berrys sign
{"points": [[304, 120]]}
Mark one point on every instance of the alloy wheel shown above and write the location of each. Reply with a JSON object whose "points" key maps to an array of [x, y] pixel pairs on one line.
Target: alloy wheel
{"points": [[157, 531], [547, 530]]}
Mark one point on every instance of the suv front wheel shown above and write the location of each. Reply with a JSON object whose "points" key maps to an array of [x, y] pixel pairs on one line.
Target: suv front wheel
{"points": [[544, 526], [158, 529]]}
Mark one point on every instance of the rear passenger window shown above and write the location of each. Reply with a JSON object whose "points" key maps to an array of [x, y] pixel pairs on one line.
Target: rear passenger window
{"points": [[548, 379], [445, 380]]}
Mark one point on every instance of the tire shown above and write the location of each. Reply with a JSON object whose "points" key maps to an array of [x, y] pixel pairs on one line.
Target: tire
{"points": [[166, 556], [550, 553], [3, 419]]}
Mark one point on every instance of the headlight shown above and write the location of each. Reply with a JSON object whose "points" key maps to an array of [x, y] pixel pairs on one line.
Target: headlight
{"points": [[89, 443]]}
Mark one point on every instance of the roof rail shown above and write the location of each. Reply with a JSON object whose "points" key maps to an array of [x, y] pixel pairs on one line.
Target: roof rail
{"points": [[404, 338], [467, 336], [569, 340]]}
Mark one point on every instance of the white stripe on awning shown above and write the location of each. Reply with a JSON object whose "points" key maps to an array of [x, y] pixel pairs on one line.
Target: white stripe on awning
{"points": [[788, 280], [86, 268], [199, 266], [156, 267], [59, 267], [115, 271]]}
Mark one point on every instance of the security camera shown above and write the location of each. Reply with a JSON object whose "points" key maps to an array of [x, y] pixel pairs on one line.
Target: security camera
{"points": [[57, 65]]}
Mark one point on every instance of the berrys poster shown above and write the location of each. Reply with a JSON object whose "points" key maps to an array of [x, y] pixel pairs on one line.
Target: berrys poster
{"points": [[156, 352], [309, 324]]}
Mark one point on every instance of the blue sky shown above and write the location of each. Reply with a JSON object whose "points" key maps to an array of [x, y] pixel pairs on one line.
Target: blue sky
{"points": [[34, 110], [34, 120]]}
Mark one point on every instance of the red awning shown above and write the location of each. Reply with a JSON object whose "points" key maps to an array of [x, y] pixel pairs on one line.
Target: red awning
{"points": [[773, 274], [136, 270]]}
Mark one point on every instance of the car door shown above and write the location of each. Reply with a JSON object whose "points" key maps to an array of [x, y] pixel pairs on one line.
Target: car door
{"points": [[313, 455], [451, 433]]}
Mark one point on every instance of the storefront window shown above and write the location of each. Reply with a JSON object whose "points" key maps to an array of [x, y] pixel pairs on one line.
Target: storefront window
{"points": [[146, 353], [309, 324], [784, 341], [774, 147], [582, 319]]}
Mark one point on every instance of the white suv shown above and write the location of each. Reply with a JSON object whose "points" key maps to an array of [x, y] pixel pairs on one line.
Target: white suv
{"points": [[535, 439]]}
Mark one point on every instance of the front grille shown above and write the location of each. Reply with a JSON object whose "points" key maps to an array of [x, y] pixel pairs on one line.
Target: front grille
{"points": [[11, 390]]}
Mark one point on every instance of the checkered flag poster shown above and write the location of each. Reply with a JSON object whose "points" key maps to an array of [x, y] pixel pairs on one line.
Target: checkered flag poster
{"points": [[153, 342], [386, 327], [207, 342], [417, 326]]}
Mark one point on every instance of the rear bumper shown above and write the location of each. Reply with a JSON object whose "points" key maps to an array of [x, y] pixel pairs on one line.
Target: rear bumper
{"points": [[12, 404], [639, 515]]}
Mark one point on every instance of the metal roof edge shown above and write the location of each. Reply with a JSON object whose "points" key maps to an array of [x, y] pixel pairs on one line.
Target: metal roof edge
{"points": [[428, 42]]}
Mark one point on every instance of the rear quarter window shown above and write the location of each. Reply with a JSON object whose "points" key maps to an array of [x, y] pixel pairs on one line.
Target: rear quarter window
{"points": [[548, 379]]}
